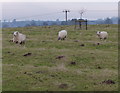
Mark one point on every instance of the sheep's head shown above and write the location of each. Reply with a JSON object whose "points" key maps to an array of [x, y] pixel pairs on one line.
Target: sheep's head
{"points": [[15, 33], [98, 32], [59, 38]]}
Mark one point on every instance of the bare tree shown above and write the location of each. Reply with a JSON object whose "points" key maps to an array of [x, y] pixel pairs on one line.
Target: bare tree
{"points": [[81, 12]]}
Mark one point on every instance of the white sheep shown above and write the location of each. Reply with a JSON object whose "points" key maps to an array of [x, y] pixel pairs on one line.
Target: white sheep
{"points": [[102, 35], [62, 35], [19, 37]]}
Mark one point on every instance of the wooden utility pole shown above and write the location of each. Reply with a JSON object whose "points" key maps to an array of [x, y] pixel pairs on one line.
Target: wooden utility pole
{"points": [[66, 11]]}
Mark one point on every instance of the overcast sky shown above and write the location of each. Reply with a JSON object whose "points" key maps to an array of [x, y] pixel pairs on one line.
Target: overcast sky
{"points": [[59, 1], [53, 10]]}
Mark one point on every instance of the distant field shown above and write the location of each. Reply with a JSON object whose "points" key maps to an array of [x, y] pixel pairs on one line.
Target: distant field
{"points": [[75, 64]]}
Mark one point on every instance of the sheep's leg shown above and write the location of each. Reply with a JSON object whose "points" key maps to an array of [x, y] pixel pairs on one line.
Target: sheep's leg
{"points": [[101, 39], [11, 40], [105, 39], [16, 42], [65, 37], [21, 43]]}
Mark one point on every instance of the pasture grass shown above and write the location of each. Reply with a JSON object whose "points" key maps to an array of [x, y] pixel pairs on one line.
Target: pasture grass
{"points": [[44, 71]]}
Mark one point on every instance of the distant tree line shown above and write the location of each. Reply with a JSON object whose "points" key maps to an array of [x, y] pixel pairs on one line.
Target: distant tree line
{"points": [[15, 23]]}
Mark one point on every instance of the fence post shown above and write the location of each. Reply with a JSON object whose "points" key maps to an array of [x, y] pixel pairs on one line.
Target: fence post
{"points": [[86, 24]]}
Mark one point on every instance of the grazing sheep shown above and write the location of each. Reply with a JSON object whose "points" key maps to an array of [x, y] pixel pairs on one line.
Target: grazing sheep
{"points": [[102, 35], [19, 37], [62, 34]]}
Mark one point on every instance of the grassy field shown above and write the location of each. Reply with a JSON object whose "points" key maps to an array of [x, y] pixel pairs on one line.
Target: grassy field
{"points": [[82, 62], [0, 60]]}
